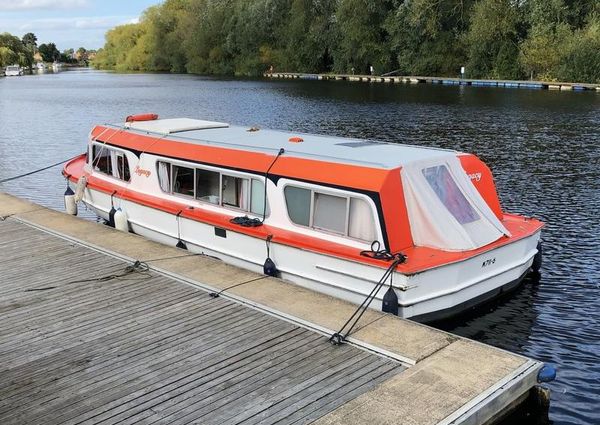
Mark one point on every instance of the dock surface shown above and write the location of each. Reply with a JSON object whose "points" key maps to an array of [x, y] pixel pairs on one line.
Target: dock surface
{"points": [[90, 336]]}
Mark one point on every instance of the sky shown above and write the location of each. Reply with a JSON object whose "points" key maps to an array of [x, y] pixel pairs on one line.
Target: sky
{"points": [[69, 23]]}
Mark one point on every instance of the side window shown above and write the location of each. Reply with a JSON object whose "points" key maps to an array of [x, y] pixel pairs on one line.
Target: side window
{"points": [[235, 191], [164, 176], [360, 220], [330, 212], [207, 186], [243, 193], [101, 159], [257, 198], [183, 180], [298, 204], [345, 215], [122, 167]]}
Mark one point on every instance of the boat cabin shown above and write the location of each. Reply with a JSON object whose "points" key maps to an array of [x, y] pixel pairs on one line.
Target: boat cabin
{"points": [[349, 191]]}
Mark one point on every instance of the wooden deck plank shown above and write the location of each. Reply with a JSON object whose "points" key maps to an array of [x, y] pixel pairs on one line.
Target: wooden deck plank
{"points": [[95, 373], [150, 349], [140, 404], [211, 406], [100, 353]]}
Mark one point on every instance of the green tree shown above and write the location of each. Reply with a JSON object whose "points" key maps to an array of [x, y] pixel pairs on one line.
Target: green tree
{"points": [[29, 40], [427, 35], [125, 49], [309, 36], [49, 52], [7, 56], [15, 51], [362, 38], [165, 36], [493, 39]]}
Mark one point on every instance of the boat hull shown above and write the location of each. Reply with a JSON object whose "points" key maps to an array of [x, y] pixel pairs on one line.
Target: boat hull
{"points": [[429, 295]]}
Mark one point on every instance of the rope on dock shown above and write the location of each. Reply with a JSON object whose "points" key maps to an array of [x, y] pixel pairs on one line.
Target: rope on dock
{"points": [[216, 294]]}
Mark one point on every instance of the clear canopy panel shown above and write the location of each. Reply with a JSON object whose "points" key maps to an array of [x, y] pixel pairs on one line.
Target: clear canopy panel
{"points": [[445, 210]]}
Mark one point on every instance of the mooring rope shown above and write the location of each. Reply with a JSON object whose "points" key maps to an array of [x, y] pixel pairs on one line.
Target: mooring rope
{"points": [[339, 337], [36, 171], [216, 294]]}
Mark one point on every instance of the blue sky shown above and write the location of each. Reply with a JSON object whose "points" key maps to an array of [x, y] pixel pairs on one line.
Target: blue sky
{"points": [[69, 23]]}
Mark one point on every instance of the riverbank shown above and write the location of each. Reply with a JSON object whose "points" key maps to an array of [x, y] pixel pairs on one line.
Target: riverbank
{"points": [[540, 85]]}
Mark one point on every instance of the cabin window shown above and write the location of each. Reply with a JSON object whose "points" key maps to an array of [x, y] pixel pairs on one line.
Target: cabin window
{"points": [[164, 176], [101, 159], [344, 215], [257, 198], [122, 166], [207, 186], [298, 204], [242, 193], [447, 191], [183, 180], [360, 220], [110, 161], [330, 212], [236, 191]]}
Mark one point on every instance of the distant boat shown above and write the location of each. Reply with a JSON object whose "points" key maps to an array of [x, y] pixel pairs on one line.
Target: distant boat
{"points": [[13, 71], [40, 66], [56, 66]]}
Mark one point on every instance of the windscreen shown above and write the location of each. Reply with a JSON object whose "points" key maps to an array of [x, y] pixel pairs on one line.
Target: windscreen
{"points": [[445, 210]]}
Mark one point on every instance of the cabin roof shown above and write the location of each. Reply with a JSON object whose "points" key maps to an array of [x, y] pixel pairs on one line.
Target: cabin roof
{"points": [[363, 152]]}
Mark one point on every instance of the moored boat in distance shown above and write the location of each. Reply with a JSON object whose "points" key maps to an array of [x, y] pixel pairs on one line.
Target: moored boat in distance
{"points": [[420, 229], [13, 71]]}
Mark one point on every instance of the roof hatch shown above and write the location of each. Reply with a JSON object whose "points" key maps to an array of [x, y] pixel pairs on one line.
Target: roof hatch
{"points": [[173, 125]]}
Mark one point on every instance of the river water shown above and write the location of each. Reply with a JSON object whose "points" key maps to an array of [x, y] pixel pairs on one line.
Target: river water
{"points": [[543, 147]]}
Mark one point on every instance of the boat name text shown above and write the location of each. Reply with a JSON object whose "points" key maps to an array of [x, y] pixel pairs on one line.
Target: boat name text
{"points": [[475, 176], [141, 172]]}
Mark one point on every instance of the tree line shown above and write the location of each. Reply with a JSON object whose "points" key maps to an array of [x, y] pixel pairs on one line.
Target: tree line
{"points": [[500, 39], [22, 51]]}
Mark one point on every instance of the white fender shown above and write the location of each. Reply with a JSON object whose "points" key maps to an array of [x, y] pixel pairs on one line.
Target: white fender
{"points": [[70, 204], [81, 184], [121, 222]]}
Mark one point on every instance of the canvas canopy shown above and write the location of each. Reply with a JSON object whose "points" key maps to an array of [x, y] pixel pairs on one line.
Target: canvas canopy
{"points": [[445, 210]]}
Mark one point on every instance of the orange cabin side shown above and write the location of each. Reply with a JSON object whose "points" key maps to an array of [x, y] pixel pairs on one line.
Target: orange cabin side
{"points": [[483, 180]]}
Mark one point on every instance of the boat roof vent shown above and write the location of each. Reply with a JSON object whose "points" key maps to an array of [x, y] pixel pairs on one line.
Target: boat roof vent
{"points": [[174, 125]]}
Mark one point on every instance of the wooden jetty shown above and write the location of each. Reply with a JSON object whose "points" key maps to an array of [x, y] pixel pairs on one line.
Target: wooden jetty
{"points": [[89, 335], [541, 85]]}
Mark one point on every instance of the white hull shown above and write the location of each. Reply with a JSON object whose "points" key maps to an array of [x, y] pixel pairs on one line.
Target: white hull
{"points": [[429, 295]]}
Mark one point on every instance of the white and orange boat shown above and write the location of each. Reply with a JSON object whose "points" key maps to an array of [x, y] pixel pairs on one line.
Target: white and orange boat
{"points": [[331, 214]]}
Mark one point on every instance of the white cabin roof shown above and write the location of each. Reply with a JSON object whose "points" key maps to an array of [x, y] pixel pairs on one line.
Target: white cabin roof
{"points": [[326, 148]]}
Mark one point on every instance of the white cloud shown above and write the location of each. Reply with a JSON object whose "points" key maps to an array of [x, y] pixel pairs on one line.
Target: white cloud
{"points": [[66, 24], [42, 4]]}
